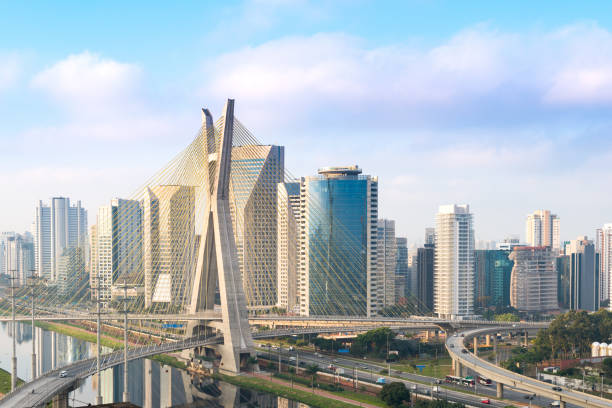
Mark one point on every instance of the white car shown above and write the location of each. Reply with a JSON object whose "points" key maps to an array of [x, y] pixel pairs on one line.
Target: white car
{"points": [[63, 374]]}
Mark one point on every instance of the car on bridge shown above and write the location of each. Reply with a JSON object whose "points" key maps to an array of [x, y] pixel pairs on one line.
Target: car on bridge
{"points": [[63, 374]]}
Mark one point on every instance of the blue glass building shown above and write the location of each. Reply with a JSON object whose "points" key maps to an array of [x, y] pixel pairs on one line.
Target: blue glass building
{"points": [[493, 270], [338, 269]]}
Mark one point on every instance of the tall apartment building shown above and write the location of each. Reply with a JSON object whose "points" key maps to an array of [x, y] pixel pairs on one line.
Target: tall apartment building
{"points": [[425, 278], [338, 266], [533, 284], [256, 172], [454, 262], [581, 276], [543, 229], [604, 247], [169, 244], [71, 272], [116, 246], [403, 285], [288, 246], [386, 259], [17, 256], [56, 227]]}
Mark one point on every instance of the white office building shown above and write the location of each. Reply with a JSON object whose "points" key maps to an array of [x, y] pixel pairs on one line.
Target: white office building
{"points": [[454, 262], [386, 258], [57, 227], [542, 229], [288, 246], [604, 247]]}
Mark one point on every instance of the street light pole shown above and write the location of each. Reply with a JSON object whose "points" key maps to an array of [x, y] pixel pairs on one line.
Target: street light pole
{"points": [[99, 349], [126, 394], [33, 283], [14, 332]]}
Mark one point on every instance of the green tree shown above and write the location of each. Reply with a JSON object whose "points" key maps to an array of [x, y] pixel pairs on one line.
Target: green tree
{"points": [[606, 366], [394, 394], [507, 317], [312, 370]]}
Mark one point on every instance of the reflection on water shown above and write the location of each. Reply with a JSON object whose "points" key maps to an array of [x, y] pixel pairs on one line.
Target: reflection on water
{"points": [[150, 383]]}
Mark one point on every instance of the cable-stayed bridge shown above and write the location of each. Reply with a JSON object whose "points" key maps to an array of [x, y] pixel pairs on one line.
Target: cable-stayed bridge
{"points": [[199, 243]]}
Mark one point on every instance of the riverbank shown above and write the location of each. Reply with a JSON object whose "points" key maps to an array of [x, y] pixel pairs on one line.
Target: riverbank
{"points": [[105, 340], [5, 382], [322, 399]]}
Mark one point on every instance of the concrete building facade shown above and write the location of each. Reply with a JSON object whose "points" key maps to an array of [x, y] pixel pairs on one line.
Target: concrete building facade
{"points": [[533, 284], [289, 212], [454, 262], [386, 256], [256, 172], [543, 229]]}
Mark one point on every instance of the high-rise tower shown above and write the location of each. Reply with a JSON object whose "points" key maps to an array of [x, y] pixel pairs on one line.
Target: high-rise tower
{"points": [[255, 174], [454, 262], [338, 272], [543, 229]]}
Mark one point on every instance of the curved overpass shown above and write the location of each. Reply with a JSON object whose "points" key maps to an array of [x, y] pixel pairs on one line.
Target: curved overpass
{"points": [[39, 392], [455, 345]]}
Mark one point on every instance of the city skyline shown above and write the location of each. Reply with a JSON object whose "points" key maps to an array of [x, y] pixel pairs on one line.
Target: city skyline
{"points": [[526, 110]]}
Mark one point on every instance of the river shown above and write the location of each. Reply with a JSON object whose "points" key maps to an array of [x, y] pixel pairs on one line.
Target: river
{"points": [[151, 384]]}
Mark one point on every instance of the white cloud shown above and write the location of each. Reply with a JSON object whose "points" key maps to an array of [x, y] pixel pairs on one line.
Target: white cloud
{"points": [[10, 68], [296, 77], [86, 83]]}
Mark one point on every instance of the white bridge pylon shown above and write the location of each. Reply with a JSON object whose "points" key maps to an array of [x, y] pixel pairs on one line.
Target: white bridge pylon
{"points": [[217, 254]]}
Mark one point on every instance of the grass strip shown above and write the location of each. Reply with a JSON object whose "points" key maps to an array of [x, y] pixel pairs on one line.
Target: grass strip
{"points": [[260, 384], [5, 382]]}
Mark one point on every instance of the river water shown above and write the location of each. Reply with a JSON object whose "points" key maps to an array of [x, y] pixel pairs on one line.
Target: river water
{"points": [[151, 384]]}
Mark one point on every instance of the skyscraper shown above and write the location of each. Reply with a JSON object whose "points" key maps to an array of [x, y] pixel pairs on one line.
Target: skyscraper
{"points": [[583, 282], [403, 284], [256, 172], [57, 227], [116, 245], [71, 273], [17, 256], [492, 270], [425, 278], [605, 252], [543, 229], [386, 253], [169, 243], [533, 285], [454, 262], [338, 274], [288, 245]]}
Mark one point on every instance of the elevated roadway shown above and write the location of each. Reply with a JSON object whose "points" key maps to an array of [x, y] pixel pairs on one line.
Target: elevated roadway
{"points": [[45, 388], [455, 346]]}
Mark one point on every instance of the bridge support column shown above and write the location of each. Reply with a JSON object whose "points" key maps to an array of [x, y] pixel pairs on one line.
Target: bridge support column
{"points": [[457, 368], [526, 338], [60, 401], [426, 335], [561, 404], [488, 340], [495, 347], [500, 390], [476, 345]]}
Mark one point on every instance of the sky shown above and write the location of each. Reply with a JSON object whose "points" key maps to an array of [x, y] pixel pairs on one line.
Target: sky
{"points": [[502, 105]]}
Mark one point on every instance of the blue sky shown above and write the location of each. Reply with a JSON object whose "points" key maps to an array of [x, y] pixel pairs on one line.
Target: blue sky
{"points": [[502, 105]]}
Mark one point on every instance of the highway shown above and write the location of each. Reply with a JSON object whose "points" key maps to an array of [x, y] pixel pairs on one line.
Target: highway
{"points": [[369, 372], [455, 347]]}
